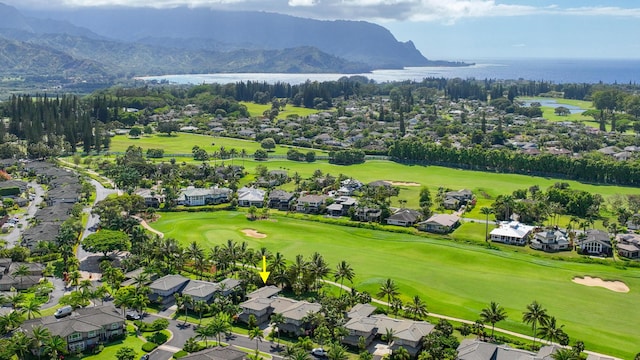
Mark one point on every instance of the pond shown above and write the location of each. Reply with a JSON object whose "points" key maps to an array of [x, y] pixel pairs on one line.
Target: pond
{"points": [[554, 104]]}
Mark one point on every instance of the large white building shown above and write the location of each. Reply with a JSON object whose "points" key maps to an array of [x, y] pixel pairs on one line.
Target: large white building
{"points": [[513, 232]]}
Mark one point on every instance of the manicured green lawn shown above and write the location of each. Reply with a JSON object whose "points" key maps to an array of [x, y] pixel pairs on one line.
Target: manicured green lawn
{"points": [[111, 349], [182, 143], [453, 278], [258, 109]]}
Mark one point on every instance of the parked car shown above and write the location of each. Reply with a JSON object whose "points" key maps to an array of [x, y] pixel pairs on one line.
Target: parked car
{"points": [[319, 352], [132, 315], [144, 357], [63, 311]]}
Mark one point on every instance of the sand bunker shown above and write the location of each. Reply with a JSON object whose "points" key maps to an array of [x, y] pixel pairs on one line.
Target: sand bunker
{"points": [[617, 286], [254, 234], [403, 183]]}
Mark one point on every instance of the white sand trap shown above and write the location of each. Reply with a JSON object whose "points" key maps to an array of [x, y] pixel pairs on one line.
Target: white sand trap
{"points": [[617, 286], [403, 183], [254, 234]]}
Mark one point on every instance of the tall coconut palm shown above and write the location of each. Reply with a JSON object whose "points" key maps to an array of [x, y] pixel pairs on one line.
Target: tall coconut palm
{"points": [[535, 315], [551, 331], [318, 268], [39, 335], [220, 324], [493, 314], [343, 271], [257, 334], [204, 332], [416, 307], [388, 289], [396, 306], [31, 308], [388, 336], [337, 352], [277, 320], [278, 267], [400, 354], [486, 211]]}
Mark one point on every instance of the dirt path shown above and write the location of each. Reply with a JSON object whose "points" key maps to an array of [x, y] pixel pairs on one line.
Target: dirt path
{"points": [[145, 225]]}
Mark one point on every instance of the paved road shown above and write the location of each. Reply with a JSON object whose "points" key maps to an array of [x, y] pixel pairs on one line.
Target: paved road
{"points": [[13, 237], [89, 261], [183, 332]]}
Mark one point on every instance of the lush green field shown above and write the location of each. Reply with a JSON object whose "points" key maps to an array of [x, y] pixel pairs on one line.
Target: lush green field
{"points": [[257, 110], [182, 143], [548, 112], [453, 278]]}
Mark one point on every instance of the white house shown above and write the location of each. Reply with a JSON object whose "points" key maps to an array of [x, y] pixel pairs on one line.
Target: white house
{"points": [[250, 197], [513, 233]]}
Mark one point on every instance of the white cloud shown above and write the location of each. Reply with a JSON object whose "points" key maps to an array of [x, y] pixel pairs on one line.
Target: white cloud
{"points": [[444, 11]]}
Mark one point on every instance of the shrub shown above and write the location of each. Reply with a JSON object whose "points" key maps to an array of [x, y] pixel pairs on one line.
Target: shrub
{"points": [[158, 338], [160, 324], [149, 346], [180, 354]]}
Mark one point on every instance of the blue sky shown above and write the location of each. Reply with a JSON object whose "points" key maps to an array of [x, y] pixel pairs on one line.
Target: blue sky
{"points": [[458, 29]]}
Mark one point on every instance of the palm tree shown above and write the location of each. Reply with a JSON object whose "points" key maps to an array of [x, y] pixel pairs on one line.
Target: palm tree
{"points": [[21, 271], [388, 336], [221, 324], [343, 271], [400, 354], [417, 308], [493, 314], [204, 332], [277, 319], [31, 308], [318, 267], [388, 289], [565, 354], [10, 321], [551, 331], [243, 154], [337, 352], [39, 335], [535, 315], [16, 299], [257, 334], [55, 345], [396, 306], [74, 278], [486, 211], [20, 343], [200, 307]]}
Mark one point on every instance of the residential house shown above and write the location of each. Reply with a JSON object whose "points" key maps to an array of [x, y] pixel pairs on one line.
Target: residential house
{"points": [[218, 353], [408, 334], [166, 286], [360, 325], [151, 198], [198, 196], [251, 197], [598, 357], [9, 281], [472, 349], [280, 199], [513, 233], [264, 292], [404, 217], [229, 286], [201, 290], [341, 206], [440, 223], [310, 204], [368, 214], [454, 199], [595, 242], [348, 187], [83, 329], [295, 314], [550, 240], [628, 245]]}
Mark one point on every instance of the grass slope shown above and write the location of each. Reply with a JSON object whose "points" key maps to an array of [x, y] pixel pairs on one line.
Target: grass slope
{"points": [[258, 109], [453, 278], [182, 143]]}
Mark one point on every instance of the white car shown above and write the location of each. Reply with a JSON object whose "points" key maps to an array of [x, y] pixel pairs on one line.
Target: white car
{"points": [[319, 352]]}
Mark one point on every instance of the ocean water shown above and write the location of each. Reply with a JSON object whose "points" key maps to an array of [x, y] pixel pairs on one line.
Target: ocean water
{"points": [[553, 70]]}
